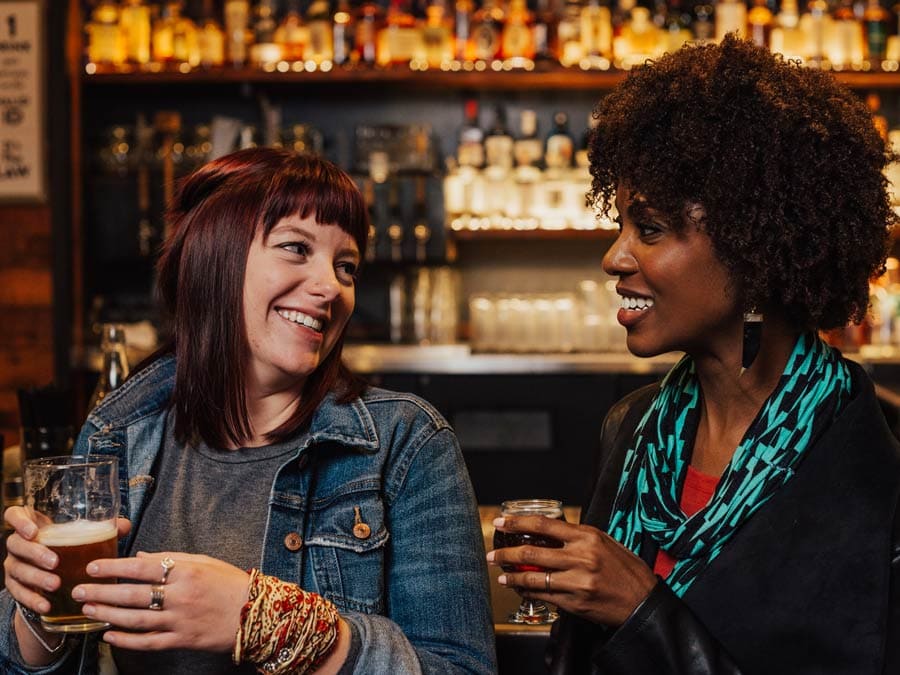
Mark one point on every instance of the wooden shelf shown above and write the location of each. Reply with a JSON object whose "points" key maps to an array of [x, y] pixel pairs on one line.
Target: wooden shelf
{"points": [[532, 235], [550, 78]]}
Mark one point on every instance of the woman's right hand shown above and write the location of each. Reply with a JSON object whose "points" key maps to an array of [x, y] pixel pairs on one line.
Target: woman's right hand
{"points": [[28, 571], [28, 568]]}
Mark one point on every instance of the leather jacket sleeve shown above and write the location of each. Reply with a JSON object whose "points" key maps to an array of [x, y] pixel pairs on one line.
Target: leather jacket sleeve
{"points": [[663, 636]]}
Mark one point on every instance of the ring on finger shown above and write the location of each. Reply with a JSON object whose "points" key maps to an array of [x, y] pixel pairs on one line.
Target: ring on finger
{"points": [[167, 564], [547, 581], [157, 597]]}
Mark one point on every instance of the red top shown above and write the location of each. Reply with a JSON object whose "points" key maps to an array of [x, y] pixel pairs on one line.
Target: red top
{"points": [[698, 488]]}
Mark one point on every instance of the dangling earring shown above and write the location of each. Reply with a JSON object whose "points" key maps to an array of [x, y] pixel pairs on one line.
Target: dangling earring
{"points": [[753, 321]]}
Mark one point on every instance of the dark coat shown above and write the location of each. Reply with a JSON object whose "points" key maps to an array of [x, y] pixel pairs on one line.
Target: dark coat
{"points": [[810, 583]]}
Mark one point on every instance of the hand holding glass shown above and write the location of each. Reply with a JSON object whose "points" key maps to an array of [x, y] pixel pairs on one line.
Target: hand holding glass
{"points": [[530, 611], [75, 502]]}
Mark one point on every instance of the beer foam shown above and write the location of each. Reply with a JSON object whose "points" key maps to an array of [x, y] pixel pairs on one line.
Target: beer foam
{"points": [[76, 533]]}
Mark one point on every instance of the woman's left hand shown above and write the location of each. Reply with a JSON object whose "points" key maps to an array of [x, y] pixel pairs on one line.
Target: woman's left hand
{"points": [[201, 606], [592, 576]]}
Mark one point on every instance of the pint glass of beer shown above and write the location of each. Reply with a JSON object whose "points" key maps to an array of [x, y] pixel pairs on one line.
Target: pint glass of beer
{"points": [[74, 501]]}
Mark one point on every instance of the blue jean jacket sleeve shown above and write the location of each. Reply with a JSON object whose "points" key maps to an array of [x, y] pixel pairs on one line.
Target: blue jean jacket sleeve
{"points": [[11, 660], [438, 598]]}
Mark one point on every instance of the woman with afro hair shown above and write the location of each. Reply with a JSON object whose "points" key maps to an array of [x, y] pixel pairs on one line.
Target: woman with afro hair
{"points": [[744, 517]]}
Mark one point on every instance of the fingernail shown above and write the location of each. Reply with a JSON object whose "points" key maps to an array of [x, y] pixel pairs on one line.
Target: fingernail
{"points": [[490, 556], [88, 610], [501, 580], [50, 560], [78, 593], [499, 522], [50, 585], [93, 568], [31, 530], [44, 608]]}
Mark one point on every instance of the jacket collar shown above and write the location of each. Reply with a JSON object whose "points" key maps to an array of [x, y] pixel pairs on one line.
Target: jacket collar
{"points": [[150, 390]]}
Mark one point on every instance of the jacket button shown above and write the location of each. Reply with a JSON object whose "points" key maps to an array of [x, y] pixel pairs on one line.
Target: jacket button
{"points": [[361, 531], [293, 541]]}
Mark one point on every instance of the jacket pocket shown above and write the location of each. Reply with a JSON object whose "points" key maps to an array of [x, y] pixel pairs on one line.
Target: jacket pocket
{"points": [[346, 542]]}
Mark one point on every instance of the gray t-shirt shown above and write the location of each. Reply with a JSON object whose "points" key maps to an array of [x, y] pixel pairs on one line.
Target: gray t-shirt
{"points": [[212, 502]]}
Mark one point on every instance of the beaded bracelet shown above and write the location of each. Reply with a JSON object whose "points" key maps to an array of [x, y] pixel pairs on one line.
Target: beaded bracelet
{"points": [[284, 629]]}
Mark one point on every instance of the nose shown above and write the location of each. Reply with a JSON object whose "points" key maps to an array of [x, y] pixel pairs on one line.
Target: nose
{"points": [[619, 259], [324, 283]]}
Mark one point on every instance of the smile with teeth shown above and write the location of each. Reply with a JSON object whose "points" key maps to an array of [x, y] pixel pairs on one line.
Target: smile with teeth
{"points": [[301, 318], [640, 304]]}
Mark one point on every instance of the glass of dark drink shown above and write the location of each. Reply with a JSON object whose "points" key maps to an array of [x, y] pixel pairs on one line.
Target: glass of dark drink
{"points": [[530, 611], [74, 501]]}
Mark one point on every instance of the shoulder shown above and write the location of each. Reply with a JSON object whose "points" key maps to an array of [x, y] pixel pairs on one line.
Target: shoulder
{"points": [[145, 393], [389, 408], [627, 412]]}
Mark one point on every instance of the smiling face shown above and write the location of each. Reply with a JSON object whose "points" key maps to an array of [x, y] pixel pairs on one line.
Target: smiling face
{"points": [[299, 293], [676, 294]]}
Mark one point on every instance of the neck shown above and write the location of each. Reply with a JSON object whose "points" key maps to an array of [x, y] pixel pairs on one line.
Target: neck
{"points": [[732, 397], [268, 408]]}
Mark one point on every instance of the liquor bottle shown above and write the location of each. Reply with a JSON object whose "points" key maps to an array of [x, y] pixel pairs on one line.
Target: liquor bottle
{"points": [[291, 34], [560, 147], [760, 21], [704, 29], [462, 21], [677, 26], [265, 51], [546, 35], [528, 148], [846, 47], [134, 24], [596, 29], [498, 143], [400, 40], [184, 44], [487, 29], [787, 38], [470, 150], [237, 20], [163, 38], [875, 20], [639, 40], [319, 47], [369, 19], [210, 38], [731, 17], [517, 39], [104, 37], [437, 40], [115, 363], [571, 48], [343, 33], [815, 24]]}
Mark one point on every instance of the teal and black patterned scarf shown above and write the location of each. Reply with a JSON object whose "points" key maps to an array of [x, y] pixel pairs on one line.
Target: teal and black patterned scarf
{"points": [[813, 388]]}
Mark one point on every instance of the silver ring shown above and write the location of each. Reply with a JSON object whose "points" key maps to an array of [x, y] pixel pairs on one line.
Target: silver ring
{"points": [[167, 565], [547, 581], [157, 597]]}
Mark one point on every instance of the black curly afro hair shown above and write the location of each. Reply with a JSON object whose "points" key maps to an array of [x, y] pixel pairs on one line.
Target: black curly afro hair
{"points": [[786, 162]]}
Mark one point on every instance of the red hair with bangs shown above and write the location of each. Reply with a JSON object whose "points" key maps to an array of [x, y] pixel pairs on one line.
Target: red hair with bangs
{"points": [[214, 217]]}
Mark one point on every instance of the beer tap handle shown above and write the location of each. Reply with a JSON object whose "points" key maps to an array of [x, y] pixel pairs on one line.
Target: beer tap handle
{"points": [[395, 234], [421, 232]]}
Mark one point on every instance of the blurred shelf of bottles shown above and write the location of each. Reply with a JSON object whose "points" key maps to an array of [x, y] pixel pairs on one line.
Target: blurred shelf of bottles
{"points": [[307, 36]]}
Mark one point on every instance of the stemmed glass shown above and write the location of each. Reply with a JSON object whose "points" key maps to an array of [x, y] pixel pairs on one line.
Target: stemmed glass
{"points": [[530, 611]]}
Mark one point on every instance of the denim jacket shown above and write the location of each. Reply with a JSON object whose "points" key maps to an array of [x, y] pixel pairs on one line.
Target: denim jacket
{"points": [[414, 592]]}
